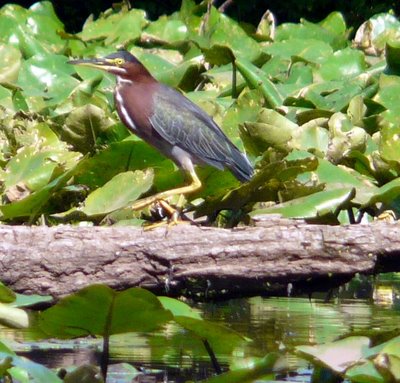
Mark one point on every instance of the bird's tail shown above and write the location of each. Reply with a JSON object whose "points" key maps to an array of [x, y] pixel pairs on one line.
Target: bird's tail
{"points": [[240, 166]]}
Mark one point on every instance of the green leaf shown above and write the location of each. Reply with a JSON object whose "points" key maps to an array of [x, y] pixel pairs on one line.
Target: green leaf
{"points": [[227, 34], [31, 205], [245, 109], [6, 294], [127, 155], [23, 300], [310, 50], [165, 30], [335, 23], [31, 169], [306, 30], [257, 79], [392, 54], [10, 63], [48, 76], [249, 374], [32, 31], [179, 308], [119, 192], [386, 193], [86, 373], [270, 129], [83, 125], [217, 335], [38, 372], [264, 186], [364, 373], [343, 64], [99, 310], [312, 206], [388, 366], [115, 28], [338, 355]]}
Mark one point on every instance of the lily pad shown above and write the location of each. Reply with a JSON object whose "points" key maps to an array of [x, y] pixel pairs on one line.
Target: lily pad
{"points": [[313, 206], [119, 192], [10, 63], [99, 310], [337, 355], [48, 76], [258, 370], [83, 125]]}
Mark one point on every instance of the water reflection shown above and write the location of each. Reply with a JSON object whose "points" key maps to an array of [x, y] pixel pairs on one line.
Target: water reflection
{"points": [[274, 324]]}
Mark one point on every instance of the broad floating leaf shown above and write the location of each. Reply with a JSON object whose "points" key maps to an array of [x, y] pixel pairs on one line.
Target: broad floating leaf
{"points": [[99, 310], [119, 192], [83, 125], [312, 206], [10, 63], [338, 355], [265, 366], [115, 28], [166, 31], [342, 64]]}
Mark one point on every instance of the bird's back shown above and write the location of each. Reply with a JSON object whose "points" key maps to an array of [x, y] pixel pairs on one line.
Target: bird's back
{"points": [[184, 124]]}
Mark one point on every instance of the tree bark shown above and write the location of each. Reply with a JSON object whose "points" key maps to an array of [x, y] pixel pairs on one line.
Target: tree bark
{"points": [[194, 261]]}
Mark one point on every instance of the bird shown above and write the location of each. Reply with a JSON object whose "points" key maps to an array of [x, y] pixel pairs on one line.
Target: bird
{"points": [[170, 122]]}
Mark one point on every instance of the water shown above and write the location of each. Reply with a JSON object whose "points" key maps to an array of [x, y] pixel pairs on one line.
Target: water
{"points": [[274, 324]]}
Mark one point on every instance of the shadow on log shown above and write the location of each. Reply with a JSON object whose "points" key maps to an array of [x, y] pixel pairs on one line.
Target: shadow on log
{"points": [[200, 262]]}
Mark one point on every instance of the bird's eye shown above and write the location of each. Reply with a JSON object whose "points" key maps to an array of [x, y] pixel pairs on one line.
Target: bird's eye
{"points": [[119, 62]]}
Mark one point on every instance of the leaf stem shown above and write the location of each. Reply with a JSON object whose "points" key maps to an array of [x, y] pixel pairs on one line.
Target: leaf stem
{"points": [[213, 358]]}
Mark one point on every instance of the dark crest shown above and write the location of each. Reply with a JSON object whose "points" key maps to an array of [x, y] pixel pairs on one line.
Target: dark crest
{"points": [[125, 55]]}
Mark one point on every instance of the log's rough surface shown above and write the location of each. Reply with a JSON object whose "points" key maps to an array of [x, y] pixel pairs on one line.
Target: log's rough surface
{"points": [[62, 259]]}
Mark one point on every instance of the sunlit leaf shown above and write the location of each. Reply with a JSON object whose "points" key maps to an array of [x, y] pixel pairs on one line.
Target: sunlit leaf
{"points": [[34, 170], [31, 205], [10, 62], [343, 64], [337, 355], [166, 31], [250, 374], [257, 79], [48, 76], [13, 317], [312, 206], [121, 190], [179, 308], [115, 28]]}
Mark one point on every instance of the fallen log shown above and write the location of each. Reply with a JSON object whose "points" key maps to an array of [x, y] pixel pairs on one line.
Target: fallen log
{"points": [[192, 260]]}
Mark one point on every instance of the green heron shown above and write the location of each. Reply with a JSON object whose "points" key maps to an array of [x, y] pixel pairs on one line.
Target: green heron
{"points": [[170, 122]]}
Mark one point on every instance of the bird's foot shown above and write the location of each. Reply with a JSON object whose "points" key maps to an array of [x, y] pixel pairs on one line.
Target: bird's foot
{"points": [[174, 216]]}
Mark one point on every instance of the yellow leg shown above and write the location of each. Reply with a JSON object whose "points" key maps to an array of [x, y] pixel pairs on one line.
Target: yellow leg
{"points": [[194, 185]]}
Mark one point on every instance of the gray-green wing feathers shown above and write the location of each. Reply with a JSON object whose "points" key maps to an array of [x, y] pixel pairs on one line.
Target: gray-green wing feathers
{"points": [[183, 124]]}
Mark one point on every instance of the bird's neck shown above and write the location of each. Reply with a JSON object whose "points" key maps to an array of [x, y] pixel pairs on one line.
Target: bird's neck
{"points": [[135, 74], [123, 81]]}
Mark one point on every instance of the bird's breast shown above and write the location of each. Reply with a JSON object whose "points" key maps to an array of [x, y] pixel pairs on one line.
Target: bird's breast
{"points": [[133, 106]]}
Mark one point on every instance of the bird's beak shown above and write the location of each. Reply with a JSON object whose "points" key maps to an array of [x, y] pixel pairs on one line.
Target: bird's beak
{"points": [[98, 63]]}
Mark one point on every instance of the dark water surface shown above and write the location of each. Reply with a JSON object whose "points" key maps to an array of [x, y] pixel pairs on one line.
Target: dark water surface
{"points": [[274, 324]]}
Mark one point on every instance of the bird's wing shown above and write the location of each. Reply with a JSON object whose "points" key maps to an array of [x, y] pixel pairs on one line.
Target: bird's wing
{"points": [[184, 124]]}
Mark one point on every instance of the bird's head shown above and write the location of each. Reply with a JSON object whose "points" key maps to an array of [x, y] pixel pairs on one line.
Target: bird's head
{"points": [[121, 63]]}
